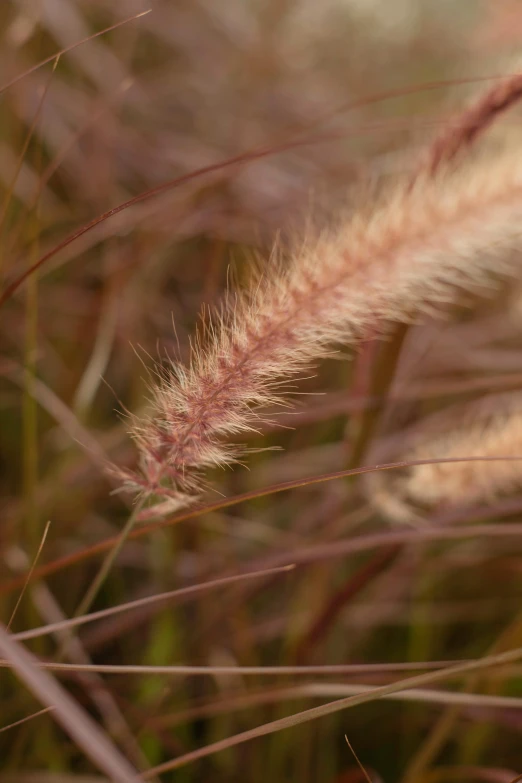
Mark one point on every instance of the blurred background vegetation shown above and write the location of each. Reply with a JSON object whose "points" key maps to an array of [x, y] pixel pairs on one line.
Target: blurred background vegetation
{"points": [[333, 94]]}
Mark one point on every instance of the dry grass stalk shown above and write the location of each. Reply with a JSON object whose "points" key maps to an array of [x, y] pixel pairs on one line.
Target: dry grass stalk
{"points": [[415, 249], [469, 482], [465, 129]]}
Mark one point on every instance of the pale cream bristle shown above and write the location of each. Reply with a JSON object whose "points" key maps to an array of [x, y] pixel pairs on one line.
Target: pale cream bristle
{"points": [[416, 248], [455, 483]]}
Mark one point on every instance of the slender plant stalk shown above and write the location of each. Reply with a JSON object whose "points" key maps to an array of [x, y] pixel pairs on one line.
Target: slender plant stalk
{"points": [[32, 533], [457, 137], [30, 418], [104, 571], [97, 583], [103, 546], [332, 707], [444, 728]]}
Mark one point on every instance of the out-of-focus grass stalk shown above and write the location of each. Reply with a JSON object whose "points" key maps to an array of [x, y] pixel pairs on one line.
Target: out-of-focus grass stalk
{"points": [[297, 719], [105, 568], [30, 415], [444, 728], [30, 411], [44, 744], [96, 585], [421, 634], [383, 373], [165, 642], [21, 157], [97, 364], [474, 741]]}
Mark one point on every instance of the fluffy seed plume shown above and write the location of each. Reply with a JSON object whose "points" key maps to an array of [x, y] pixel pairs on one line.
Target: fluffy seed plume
{"points": [[469, 482], [415, 249], [457, 137]]}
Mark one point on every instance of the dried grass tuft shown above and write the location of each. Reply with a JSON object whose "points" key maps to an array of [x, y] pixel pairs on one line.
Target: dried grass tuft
{"points": [[460, 134], [459, 483], [416, 249]]}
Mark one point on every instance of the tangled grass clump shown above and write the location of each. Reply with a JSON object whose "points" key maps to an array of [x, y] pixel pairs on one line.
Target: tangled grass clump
{"points": [[145, 166]]}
